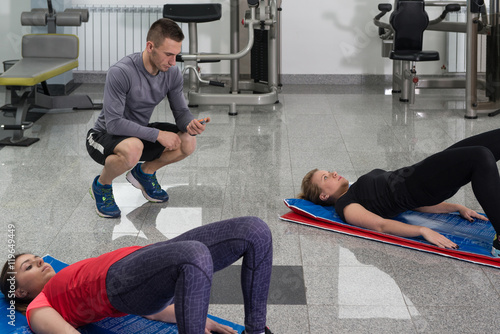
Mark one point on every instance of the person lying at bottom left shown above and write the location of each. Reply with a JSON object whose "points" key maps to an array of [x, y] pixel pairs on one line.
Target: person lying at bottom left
{"points": [[146, 280]]}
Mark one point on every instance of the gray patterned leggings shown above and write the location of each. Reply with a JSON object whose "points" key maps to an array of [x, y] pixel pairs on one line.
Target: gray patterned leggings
{"points": [[144, 282]]}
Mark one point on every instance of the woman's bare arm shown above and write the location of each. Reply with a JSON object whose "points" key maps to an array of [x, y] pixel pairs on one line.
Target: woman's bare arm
{"points": [[445, 207], [46, 320], [357, 215], [168, 315]]}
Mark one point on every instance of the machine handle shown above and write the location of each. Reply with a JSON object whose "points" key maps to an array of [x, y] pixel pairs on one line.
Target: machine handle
{"points": [[216, 83], [452, 7], [383, 27], [384, 7], [24, 126]]}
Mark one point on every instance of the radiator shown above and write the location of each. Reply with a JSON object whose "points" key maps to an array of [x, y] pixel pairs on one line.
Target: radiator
{"points": [[113, 32]]}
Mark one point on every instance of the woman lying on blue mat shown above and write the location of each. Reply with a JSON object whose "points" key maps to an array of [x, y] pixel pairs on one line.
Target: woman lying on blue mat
{"points": [[380, 195], [145, 280]]}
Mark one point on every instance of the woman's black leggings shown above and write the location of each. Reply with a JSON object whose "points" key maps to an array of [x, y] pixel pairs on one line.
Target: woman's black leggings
{"points": [[145, 281], [473, 159]]}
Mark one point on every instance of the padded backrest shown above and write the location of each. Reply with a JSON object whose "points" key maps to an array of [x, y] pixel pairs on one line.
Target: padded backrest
{"points": [[50, 46], [409, 20], [204, 12]]}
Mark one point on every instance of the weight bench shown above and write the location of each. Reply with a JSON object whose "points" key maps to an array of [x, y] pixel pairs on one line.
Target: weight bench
{"points": [[44, 56]]}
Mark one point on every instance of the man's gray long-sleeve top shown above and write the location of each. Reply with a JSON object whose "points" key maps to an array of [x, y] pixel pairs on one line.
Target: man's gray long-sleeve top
{"points": [[130, 95]]}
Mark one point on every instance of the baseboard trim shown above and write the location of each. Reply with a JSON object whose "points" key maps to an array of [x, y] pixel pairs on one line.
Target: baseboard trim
{"points": [[286, 79], [335, 79]]}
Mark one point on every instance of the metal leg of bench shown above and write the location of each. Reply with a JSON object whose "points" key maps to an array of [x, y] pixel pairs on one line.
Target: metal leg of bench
{"points": [[20, 125], [45, 88]]}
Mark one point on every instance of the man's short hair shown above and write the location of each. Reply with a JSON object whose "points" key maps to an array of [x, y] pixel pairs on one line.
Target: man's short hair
{"points": [[164, 28]]}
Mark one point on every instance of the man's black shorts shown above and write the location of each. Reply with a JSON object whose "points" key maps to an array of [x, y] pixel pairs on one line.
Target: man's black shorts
{"points": [[101, 144]]}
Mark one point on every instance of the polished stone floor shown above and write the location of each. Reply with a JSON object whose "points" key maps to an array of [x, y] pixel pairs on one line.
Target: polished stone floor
{"points": [[247, 164]]}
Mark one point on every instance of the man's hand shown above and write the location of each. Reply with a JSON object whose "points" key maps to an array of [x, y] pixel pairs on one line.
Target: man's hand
{"points": [[215, 327], [195, 127], [170, 140]]}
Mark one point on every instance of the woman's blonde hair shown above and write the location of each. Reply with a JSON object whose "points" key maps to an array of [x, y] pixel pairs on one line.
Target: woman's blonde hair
{"points": [[311, 191]]}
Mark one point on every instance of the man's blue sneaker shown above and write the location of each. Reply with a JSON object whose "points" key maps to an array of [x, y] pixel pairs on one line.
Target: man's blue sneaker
{"points": [[104, 201], [148, 184]]}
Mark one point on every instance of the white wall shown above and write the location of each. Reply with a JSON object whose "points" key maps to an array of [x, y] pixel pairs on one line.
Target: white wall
{"points": [[318, 36], [10, 28], [330, 37], [333, 37]]}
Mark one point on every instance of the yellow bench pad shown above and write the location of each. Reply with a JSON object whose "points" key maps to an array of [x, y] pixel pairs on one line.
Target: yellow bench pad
{"points": [[32, 71]]}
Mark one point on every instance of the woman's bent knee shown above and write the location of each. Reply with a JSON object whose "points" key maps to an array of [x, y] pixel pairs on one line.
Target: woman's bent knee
{"points": [[484, 153], [197, 254], [254, 229]]}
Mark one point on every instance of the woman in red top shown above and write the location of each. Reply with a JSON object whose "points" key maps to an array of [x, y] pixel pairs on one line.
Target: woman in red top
{"points": [[146, 280]]}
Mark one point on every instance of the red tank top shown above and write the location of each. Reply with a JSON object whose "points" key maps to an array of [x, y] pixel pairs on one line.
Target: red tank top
{"points": [[78, 292]]}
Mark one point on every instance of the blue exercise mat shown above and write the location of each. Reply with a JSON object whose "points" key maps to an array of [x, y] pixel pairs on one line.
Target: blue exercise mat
{"points": [[473, 238], [14, 322]]}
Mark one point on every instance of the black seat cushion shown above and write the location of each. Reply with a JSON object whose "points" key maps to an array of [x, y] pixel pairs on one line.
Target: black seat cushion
{"points": [[204, 12], [409, 21], [414, 55]]}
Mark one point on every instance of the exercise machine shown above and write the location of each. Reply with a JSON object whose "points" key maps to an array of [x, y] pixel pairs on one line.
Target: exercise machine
{"points": [[405, 32], [262, 21], [44, 56], [478, 23]]}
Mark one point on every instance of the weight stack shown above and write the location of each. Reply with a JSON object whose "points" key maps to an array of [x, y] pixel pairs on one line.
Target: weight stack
{"points": [[492, 63], [259, 61]]}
